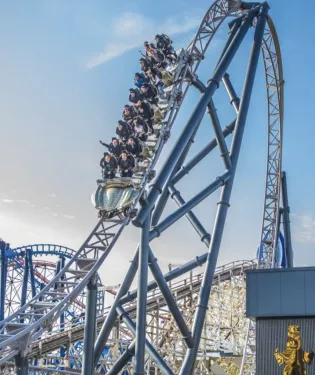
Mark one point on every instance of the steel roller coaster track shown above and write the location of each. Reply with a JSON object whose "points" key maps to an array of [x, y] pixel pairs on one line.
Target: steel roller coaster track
{"points": [[39, 316]]}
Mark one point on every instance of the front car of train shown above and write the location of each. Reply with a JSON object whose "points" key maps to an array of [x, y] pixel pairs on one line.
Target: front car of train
{"points": [[116, 196]]}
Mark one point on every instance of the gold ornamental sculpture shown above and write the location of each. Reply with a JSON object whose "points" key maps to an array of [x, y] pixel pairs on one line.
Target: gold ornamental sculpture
{"points": [[294, 357]]}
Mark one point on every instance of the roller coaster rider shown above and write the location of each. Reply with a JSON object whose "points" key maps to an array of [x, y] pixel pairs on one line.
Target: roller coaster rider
{"points": [[126, 164], [114, 147], [150, 93], [139, 80], [164, 43], [147, 112], [155, 77], [135, 95], [141, 115], [145, 65], [134, 146], [140, 129], [154, 55], [109, 166], [123, 131], [129, 113]]}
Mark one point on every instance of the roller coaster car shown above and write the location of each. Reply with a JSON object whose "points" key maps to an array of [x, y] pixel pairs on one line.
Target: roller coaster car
{"points": [[115, 196]]}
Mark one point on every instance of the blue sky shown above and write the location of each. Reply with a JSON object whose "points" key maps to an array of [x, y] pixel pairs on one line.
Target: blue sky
{"points": [[66, 70]]}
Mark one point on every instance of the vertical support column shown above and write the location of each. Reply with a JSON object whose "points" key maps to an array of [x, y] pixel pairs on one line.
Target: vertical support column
{"points": [[223, 204], [31, 271], [142, 297], [276, 239], [25, 280], [42, 286], [277, 234], [62, 316], [286, 220], [7, 248], [169, 270], [56, 273], [21, 365], [89, 328], [3, 278]]}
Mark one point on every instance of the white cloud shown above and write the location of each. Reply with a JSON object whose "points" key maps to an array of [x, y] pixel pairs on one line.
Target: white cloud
{"points": [[303, 228], [130, 30], [66, 216], [7, 201], [17, 201], [131, 25], [70, 217], [53, 195], [171, 26], [111, 51]]}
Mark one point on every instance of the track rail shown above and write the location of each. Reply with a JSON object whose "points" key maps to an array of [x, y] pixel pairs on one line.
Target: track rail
{"points": [[42, 249], [43, 310]]}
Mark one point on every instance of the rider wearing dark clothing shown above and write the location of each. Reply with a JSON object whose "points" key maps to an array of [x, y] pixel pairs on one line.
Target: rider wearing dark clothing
{"points": [[129, 114], [164, 43], [134, 147], [123, 131], [135, 95], [156, 56], [126, 164], [146, 111], [145, 65], [150, 93], [114, 147], [109, 165]]}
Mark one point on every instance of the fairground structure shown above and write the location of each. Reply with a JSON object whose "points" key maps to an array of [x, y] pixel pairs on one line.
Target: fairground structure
{"points": [[53, 316]]}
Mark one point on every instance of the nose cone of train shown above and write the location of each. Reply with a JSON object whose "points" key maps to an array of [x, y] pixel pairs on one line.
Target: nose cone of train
{"points": [[114, 196]]}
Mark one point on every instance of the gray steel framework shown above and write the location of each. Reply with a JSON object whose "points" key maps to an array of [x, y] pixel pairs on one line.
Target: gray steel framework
{"points": [[40, 314], [223, 334]]}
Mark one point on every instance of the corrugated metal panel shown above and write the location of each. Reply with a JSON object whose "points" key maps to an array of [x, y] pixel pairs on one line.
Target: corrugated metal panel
{"points": [[272, 334]]}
